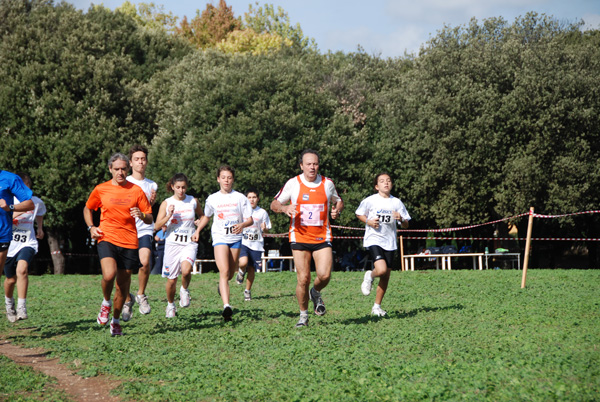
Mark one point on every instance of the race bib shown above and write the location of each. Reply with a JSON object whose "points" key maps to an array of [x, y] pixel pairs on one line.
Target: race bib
{"points": [[310, 214], [252, 234], [181, 236], [20, 237], [385, 218]]}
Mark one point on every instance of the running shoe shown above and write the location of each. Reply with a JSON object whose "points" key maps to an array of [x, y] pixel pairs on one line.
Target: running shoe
{"points": [[227, 313], [378, 311], [11, 314], [171, 311], [127, 311], [22, 313], [247, 295], [115, 329], [367, 284], [142, 301], [102, 318], [239, 279], [184, 298], [303, 321], [317, 301]]}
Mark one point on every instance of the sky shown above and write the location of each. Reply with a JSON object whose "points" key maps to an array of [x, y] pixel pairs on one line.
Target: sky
{"points": [[386, 28]]}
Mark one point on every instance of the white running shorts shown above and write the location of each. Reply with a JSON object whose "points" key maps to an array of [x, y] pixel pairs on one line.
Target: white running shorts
{"points": [[175, 254]]}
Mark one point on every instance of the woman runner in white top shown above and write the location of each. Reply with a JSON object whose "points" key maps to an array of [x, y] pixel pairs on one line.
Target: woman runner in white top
{"points": [[181, 243], [231, 213], [380, 212]]}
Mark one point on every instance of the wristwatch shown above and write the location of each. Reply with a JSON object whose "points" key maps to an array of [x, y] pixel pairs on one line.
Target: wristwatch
{"points": [[90, 227], [11, 207]]}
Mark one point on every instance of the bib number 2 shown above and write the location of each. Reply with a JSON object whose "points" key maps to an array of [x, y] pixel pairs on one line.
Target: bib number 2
{"points": [[310, 214]]}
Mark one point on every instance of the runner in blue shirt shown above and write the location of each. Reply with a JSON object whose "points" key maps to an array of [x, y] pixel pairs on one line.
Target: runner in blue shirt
{"points": [[11, 187]]}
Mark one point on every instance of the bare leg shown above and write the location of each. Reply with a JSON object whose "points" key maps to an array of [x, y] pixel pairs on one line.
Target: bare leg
{"points": [[109, 273], [22, 279], [323, 263], [170, 287], [186, 274], [225, 264], [144, 272], [302, 261], [250, 279], [123, 284], [382, 271]]}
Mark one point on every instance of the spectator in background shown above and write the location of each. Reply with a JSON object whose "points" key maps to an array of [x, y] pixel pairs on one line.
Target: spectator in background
{"points": [[159, 242]]}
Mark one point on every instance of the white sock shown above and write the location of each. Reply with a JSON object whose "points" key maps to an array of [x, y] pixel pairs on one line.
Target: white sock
{"points": [[303, 312], [21, 302], [106, 302], [240, 271], [368, 275], [9, 301], [171, 305], [225, 306], [182, 289], [115, 320], [376, 305]]}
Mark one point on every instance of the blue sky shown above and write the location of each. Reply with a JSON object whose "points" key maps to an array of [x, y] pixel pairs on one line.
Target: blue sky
{"points": [[387, 28]]}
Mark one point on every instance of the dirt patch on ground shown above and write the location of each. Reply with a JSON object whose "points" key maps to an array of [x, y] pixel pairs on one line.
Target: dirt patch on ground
{"points": [[79, 388]]}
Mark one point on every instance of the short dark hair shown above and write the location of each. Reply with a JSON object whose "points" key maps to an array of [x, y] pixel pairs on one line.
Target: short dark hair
{"points": [[227, 168], [252, 190], [138, 148], [308, 151], [26, 179]]}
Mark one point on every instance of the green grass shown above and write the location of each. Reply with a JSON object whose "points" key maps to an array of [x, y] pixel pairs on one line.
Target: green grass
{"points": [[459, 335]]}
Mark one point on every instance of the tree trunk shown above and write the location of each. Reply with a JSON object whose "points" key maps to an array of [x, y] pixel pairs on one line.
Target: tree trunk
{"points": [[58, 259]]}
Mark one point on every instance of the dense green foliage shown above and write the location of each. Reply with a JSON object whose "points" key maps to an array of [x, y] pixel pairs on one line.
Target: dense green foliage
{"points": [[72, 93], [449, 335], [489, 119]]}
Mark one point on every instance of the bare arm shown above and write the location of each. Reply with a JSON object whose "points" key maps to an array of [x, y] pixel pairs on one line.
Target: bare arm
{"points": [[279, 208], [39, 220], [95, 232]]}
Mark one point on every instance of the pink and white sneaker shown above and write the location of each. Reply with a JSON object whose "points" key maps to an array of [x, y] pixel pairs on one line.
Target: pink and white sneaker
{"points": [[115, 329], [103, 315]]}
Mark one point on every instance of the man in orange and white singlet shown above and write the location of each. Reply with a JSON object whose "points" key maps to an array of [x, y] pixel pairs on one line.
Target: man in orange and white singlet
{"points": [[309, 195]]}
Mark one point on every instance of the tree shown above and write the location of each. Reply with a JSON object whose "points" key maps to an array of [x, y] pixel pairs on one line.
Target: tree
{"points": [[209, 27], [71, 94]]}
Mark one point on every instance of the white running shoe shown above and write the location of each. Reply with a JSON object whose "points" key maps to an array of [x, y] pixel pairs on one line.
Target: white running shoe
{"points": [[239, 278], [247, 295], [22, 313], [127, 311], [171, 311], [11, 314], [378, 311], [184, 298], [303, 321], [367, 284], [142, 301]]}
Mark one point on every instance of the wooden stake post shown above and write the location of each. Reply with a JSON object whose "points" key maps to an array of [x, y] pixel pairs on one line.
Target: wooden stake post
{"points": [[400, 238], [527, 248]]}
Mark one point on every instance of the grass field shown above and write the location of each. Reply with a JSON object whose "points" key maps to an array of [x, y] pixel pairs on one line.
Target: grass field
{"points": [[459, 335]]}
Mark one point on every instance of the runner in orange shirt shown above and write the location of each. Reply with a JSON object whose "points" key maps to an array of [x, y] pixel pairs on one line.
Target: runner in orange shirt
{"points": [[120, 202], [309, 195]]}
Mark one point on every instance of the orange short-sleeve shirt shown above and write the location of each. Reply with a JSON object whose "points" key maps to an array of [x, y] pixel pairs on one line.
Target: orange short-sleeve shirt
{"points": [[116, 221]]}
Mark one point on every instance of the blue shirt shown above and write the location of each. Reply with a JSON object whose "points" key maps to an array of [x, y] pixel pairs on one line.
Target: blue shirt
{"points": [[11, 186]]}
